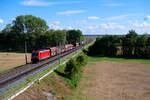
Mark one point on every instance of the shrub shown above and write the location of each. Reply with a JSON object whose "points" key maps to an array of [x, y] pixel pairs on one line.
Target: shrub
{"points": [[81, 60], [71, 68], [75, 80]]}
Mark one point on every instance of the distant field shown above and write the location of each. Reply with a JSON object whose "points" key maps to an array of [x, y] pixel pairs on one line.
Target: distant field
{"points": [[12, 60]]}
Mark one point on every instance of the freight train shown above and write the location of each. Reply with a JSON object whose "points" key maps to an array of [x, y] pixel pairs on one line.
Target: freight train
{"points": [[39, 55]]}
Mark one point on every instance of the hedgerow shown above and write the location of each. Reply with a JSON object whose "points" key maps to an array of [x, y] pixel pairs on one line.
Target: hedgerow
{"points": [[73, 70]]}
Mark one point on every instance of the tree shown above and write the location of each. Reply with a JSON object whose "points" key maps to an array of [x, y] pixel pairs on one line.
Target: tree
{"points": [[35, 32], [29, 24], [24, 28], [7, 29], [59, 37], [74, 36], [129, 43], [105, 46], [32, 26], [46, 39], [142, 49]]}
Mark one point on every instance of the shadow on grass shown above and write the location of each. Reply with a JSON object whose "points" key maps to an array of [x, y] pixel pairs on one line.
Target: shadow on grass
{"points": [[85, 51], [61, 74]]}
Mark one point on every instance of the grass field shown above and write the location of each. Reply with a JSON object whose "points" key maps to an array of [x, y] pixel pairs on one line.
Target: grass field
{"points": [[96, 59], [103, 78], [12, 60]]}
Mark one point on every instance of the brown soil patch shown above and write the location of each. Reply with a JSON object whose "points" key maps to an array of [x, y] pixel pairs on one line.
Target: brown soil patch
{"points": [[11, 60], [117, 81]]}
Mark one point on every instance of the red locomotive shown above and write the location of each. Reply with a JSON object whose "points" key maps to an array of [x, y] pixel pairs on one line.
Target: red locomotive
{"points": [[40, 55], [49, 52]]}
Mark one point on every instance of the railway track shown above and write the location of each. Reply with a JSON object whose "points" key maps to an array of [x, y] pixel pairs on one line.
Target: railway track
{"points": [[15, 74]]}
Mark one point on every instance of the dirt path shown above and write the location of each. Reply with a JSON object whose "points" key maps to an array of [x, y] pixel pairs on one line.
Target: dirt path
{"points": [[117, 81]]}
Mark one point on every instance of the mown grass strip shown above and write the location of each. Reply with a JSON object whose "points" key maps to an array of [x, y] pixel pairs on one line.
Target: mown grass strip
{"points": [[96, 59]]}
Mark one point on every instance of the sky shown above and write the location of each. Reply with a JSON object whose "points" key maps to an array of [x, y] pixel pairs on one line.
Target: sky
{"points": [[92, 17]]}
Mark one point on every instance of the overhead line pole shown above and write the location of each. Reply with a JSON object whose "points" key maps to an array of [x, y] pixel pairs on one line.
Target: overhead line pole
{"points": [[25, 31], [26, 52]]}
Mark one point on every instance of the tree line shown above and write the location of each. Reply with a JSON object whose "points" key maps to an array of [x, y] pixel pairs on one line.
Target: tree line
{"points": [[130, 45], [36, 33]]}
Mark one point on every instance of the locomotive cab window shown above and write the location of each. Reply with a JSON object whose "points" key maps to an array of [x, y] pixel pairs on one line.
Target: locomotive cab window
{"points": [[35, 54]]}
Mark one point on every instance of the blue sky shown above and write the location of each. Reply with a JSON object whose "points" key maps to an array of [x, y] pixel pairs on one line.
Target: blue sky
{"points": [[90, 16]]}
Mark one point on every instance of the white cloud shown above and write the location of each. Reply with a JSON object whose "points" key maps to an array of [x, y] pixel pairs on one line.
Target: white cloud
{"points": [[117, 17], [1, 21], [42, 3], [117, 28], [128, 22], [106, 28], [113, 4], [137, 24], [142, 25], [69, 27], [93, 18], [92, 29], [13, 19], [56, 22], [81, 22], [147, 18], [112, 26], [70, 12], [36, 3], [56, 27]]}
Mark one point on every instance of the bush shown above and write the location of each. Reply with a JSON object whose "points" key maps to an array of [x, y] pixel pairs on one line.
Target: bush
{"points": [[81, 60], [71, 68], [75, 80]]}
